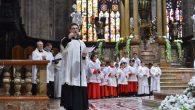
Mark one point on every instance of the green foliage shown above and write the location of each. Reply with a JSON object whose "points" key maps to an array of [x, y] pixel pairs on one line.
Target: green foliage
{"points": [[128, 47], [168, 50], [117, 48], [183, 108], [179, 50], [100, 49]]}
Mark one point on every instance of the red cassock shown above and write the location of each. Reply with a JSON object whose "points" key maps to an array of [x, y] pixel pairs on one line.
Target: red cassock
{"points": [[94, 88], [112, 91], [132, 86], [123, 88], [104, 91]]}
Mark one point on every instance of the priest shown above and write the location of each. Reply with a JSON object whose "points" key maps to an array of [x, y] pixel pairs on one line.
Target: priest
{"points": [[74, 83], [38, 54]]}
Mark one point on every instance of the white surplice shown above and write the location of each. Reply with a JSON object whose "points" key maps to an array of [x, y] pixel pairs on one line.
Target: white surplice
{"points": [[112, 77], [50, 66], [71, 63], [155, 78], [133, 76], [36, 55], [121, 76], [58, 76], [104, 76], [143, 74], [92, 67]]}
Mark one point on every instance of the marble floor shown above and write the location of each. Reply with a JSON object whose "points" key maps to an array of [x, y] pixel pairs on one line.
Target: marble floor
{"points": [[125, 103]]}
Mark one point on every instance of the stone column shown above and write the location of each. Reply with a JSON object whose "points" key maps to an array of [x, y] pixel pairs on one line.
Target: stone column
{"points": [[164, 18], [136, 39], [122, 10], [127, 18], [159, 20], [161, 24]]}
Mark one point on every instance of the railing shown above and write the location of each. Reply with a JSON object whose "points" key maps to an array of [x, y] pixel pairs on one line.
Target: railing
{"points": [[17, 77]]}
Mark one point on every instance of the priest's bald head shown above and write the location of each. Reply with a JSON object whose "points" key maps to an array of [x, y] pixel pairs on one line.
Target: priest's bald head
{"points": [[39, 45]]}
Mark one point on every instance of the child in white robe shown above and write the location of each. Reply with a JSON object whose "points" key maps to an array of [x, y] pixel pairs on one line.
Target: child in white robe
{"points": [[104, 80], [121, 79], [155, 73], [132, 79], [143, 74], [126, 71], [112, 83], [94, 78]]}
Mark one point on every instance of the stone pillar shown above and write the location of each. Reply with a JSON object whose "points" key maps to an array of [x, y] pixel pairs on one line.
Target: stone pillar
{"points": [[161, 30], [122, 10], [164, 18], [38, 18], [136, 39], [159, 20], [127, 18]]}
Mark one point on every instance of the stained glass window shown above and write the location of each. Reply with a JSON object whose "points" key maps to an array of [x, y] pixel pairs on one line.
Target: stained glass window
{"points": [[174, 19], [92, 9]]}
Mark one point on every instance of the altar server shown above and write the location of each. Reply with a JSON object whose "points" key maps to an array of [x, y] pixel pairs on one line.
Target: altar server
{"points": [[132, 79], [155, 72], [121, 79], [94, 78], [143, 74], [112, 83], [104, 80]]}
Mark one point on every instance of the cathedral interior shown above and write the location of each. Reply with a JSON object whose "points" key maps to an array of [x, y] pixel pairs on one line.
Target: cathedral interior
{"points": [[147, 24], [159, 31]]}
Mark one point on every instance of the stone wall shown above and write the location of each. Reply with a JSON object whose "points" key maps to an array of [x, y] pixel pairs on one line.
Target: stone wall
{"points": [[45, 19]]}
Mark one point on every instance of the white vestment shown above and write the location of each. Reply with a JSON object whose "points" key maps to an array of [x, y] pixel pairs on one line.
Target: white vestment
{"points": [[36, 55], [143, 74], [104, 76], [50, 67], [137, 62], [93, 67], [126, 70], [133, 76], [112, 77], [121, 76], [155, 78], [71, 63], [58, 76]]}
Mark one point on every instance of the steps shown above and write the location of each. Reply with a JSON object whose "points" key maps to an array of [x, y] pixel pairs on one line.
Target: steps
{"points": [[173, 81], [164, 84], [175, 78], [149, 53]]}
